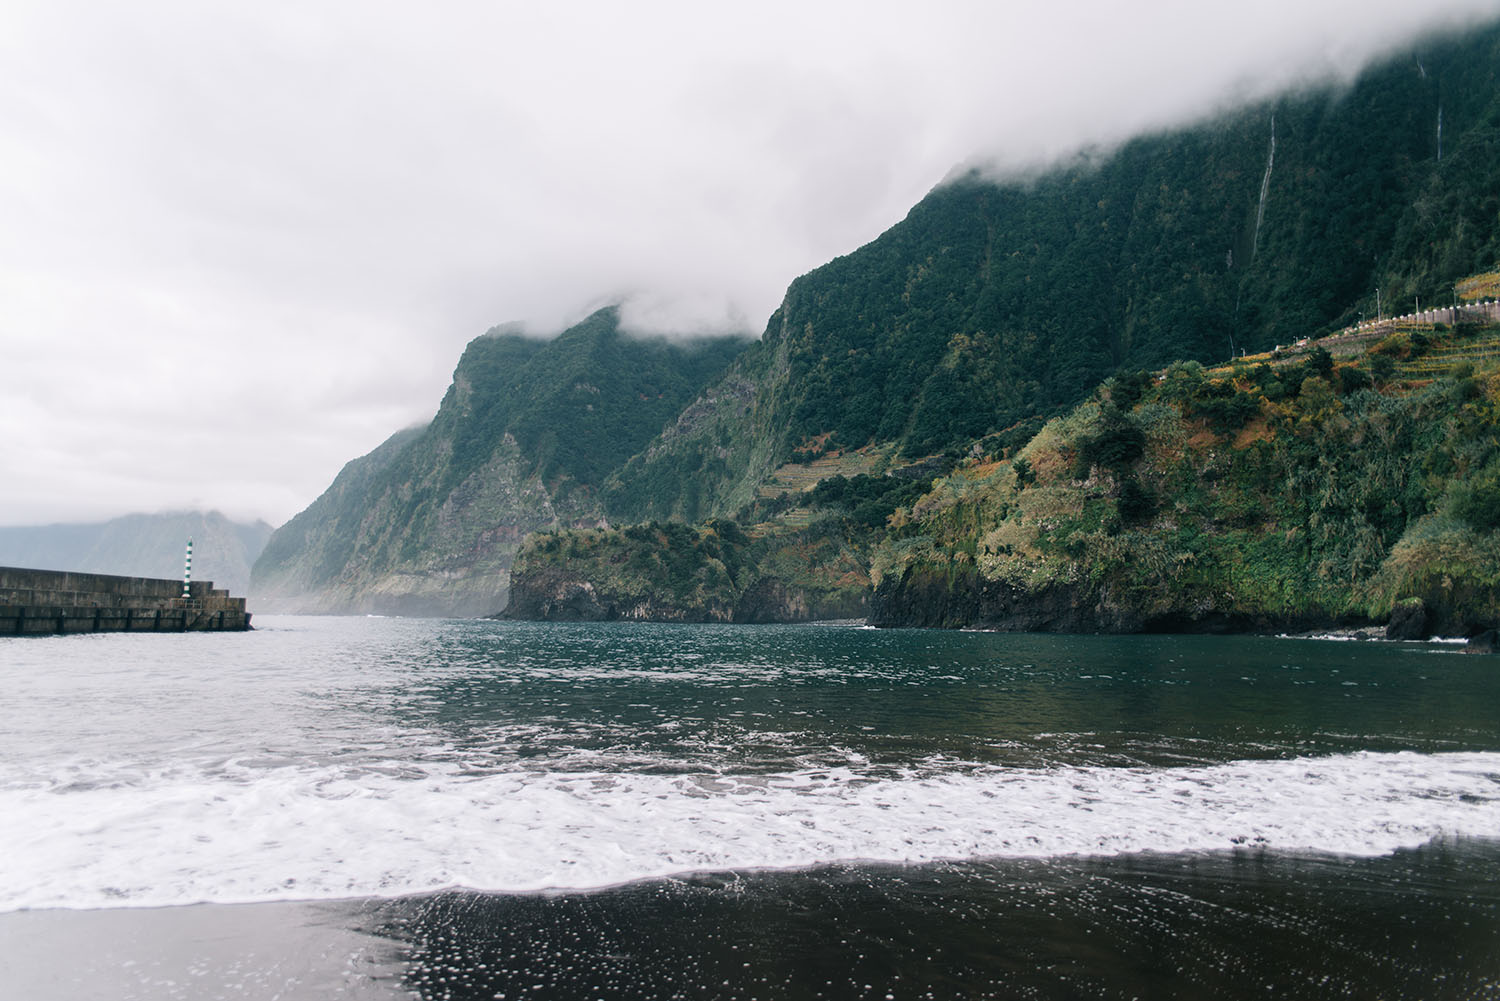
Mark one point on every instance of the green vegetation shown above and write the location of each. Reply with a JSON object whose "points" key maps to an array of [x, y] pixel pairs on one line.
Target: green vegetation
{"points": [[714, 572], [1334, 502], [1069, 352], [790, 554], [579, 405], [523, 440], [998, 303]]}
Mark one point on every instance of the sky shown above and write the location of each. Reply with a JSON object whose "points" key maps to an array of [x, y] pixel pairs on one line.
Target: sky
{"points": [[242, 244]]}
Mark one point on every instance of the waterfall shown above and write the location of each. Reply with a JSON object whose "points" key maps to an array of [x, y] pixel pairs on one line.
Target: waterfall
{"points": [[1265, 188], [1440, 133]]}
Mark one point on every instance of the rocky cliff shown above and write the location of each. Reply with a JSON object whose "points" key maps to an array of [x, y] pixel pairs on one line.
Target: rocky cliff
{"points": [[995, 302], [943, 346], [429, 523], [670, 572]]}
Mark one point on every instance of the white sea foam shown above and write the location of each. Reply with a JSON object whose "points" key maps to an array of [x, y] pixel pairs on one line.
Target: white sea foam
{"points": [[241, 834]]}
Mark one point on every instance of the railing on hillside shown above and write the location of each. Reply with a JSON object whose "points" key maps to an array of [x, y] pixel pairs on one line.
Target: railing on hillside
{"points": [[1488, 309]]}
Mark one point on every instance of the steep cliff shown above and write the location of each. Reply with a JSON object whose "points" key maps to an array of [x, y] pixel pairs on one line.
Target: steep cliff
{"points": [[671, 572], [429, 523], [952, 338], [994, 303]]}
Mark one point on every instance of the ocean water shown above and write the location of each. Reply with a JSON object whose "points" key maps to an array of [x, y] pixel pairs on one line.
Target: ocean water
{"points": [[465, 809]]}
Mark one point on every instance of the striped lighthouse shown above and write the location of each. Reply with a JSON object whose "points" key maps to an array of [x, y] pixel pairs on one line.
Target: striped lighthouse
{"points": [[187, 570]]}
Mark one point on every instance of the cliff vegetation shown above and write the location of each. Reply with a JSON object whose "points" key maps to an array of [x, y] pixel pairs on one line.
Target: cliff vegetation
{"points": [[1288, 490], [1013, 408], [430, 521]]}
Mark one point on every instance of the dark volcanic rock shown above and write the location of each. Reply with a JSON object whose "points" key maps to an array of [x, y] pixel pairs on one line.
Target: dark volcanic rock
{"points": [[771, 599], [1486, 642], [553, 594], [960, 598], [1409, 621], [964, 599], [555, 597]]}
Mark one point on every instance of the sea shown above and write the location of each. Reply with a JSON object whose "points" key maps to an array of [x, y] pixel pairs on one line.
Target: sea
{"points": [[460, 809]]}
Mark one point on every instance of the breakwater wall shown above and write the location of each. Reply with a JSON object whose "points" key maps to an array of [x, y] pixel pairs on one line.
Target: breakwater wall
{"points": [[34, 602]]}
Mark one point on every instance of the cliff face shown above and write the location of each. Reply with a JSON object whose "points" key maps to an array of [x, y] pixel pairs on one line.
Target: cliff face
{"points": [[949, 341], [429, 523], [365, 555], [554, 594], [680, 573], [963, 599], [994, 303]]}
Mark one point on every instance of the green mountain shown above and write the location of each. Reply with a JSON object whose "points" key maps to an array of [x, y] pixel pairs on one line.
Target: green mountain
{"points": [[1341, 483], [993, 304], [1349, 480], [428, 523], [831, 466], [143, 545]]}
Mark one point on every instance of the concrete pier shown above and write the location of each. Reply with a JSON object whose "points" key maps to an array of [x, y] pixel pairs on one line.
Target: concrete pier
{"points": [[35, 602]]}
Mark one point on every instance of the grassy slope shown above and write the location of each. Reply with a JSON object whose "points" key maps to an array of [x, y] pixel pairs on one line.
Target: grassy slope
{"points": [[1296, 491]]}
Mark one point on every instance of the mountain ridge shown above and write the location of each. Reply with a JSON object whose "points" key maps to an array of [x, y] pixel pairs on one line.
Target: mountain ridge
{"points": [[993, 303], [991, 308], [428, 522]]}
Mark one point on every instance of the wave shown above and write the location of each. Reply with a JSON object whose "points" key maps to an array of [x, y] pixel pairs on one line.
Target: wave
{"points": [[239, 834]]}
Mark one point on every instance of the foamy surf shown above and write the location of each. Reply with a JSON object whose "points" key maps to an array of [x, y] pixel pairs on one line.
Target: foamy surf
{"points": [[239, 834]]}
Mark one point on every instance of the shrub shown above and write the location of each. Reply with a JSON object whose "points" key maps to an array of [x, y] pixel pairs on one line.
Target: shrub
{"points": [[1127, 388], [1316, 395], [1478, 501], [1182, 381], [1136, 503], [1116, 445], [1229, 413], [1352, 379]]}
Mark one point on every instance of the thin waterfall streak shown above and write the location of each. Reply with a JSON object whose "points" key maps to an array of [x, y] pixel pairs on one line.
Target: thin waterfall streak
{"points": [[1265, 189]]}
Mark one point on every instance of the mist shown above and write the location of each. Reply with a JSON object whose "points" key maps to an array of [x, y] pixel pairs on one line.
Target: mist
{"points": [[246, 244]]}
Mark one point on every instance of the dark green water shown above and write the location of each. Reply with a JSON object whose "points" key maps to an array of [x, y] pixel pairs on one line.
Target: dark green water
{"points": [[372, 808]]}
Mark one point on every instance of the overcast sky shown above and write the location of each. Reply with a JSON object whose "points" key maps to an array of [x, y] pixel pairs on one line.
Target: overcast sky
{"points": [[241, 244]]}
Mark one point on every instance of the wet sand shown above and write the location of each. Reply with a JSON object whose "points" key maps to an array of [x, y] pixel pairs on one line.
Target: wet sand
{"points": [[1422, 923], [292, 951]]}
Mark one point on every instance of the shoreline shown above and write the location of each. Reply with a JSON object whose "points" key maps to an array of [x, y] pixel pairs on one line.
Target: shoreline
{"points": [[933, 926]]}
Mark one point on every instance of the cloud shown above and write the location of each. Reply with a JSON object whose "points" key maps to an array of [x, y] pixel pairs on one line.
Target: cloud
{"points": [[245, 243]]}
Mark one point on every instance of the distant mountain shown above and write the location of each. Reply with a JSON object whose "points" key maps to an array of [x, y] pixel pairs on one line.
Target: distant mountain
{"points": [[143, 545], [428, 523]]}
